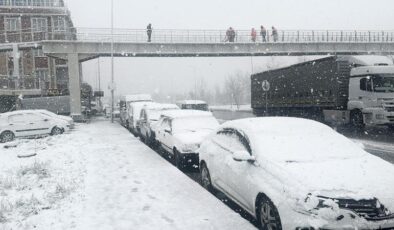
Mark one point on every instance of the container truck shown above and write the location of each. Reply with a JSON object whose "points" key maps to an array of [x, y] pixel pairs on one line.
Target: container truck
{"points": [[355, 90]]}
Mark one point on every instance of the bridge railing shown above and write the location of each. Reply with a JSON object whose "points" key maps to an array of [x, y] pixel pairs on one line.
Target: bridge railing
{"points": [[196, 36]]}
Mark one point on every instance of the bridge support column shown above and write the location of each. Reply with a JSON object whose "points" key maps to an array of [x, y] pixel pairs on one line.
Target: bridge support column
{"points": [[74, 85]]}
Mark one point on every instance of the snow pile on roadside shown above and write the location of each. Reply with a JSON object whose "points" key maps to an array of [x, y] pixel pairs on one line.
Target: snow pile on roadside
{"points": [[100, 177]]}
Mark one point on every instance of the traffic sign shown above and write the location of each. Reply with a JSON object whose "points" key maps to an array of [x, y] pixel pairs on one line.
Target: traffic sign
{"points": [[266, 85]]}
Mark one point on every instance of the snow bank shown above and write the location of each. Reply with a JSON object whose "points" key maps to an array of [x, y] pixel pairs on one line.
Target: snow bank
{"points": [[100, 177]]}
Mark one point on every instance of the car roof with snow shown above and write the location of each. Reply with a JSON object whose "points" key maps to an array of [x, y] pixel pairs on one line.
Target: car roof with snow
{"points": [[137, 97], [174, 114], [191, 102], [160, 106], [285, 139]]}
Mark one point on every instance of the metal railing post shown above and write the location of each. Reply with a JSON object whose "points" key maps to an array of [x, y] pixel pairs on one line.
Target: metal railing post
{"points": [[341, 36], [298, 36], [313, 35]]}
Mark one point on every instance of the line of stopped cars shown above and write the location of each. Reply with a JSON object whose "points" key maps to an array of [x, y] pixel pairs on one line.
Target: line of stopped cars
{"points": [[32, 123], [289, 173]]}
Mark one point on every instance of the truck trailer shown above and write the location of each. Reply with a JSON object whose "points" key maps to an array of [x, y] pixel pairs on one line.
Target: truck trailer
{"points": [[355, 90]]}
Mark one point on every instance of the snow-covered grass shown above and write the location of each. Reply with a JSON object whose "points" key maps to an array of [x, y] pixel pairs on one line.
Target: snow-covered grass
{"points": [[246, 108], [100, 177]]}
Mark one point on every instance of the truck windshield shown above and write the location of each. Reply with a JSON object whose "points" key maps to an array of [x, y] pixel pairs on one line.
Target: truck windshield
{"points": [[383, 83]]}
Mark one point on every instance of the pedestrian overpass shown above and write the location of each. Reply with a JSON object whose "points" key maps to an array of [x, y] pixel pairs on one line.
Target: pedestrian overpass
{"points": [[86, 44]]}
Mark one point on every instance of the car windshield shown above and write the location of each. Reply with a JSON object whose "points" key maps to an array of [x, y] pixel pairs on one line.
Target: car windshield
{"points": [[194, 124], [383, 83], [203, 107]]}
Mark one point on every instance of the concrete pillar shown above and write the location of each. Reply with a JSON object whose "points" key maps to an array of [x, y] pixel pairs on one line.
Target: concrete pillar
{"points": [[74, 84], [16, 70]]}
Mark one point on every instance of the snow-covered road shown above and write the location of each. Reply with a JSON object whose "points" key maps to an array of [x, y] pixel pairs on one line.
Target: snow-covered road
{"points": [[100, 177]]}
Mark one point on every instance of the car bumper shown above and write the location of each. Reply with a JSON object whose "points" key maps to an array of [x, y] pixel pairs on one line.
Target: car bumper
{"points": [[347, 220], [190, 158]]}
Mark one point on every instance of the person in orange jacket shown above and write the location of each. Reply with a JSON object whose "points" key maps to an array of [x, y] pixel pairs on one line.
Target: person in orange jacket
{"points": [[253, 35]]}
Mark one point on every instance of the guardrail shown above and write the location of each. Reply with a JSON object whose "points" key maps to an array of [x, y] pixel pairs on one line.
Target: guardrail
{"points": [[198, 36]]}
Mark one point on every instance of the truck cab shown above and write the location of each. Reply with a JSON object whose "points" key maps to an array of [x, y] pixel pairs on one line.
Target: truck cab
{"points": [[371, 95]]}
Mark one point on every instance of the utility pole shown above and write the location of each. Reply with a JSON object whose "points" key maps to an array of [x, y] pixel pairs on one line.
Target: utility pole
{"points": [[112, 63]]}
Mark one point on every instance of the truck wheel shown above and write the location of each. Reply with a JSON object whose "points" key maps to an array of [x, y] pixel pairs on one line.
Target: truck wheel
{"points": [[356, 119], [7, 136], [267, 214]]}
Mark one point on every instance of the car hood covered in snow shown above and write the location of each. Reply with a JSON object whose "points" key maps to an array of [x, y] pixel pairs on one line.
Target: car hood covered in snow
{"points": [[192, 137], [367, 177]]}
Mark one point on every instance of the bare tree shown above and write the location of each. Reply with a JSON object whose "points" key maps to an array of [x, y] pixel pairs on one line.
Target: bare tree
{"points": [[237, 87]]}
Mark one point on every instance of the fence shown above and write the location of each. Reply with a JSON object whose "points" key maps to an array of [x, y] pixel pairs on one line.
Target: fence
{"points": [[196, 36]]}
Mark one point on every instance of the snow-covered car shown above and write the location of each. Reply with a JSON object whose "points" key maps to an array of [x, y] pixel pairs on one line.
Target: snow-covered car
{"points": [[69, 120], [180, 133], [292, 173], [193, 104], [150, 115], [133, 115], [26, 123]]}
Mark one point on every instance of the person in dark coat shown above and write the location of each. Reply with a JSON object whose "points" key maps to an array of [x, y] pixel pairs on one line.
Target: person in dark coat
{"points": [[230, 35], [149, 32], [275, 34], [263, 33]]}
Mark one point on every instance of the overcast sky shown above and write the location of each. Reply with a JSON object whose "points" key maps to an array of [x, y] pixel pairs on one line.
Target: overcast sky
{"points": [[152, 74]]}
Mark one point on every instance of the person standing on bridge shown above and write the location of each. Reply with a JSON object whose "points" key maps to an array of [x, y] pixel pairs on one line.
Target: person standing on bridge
{"points": [[274, 34], [149, 32], [253, 35], [263, 33], [230, 35]]}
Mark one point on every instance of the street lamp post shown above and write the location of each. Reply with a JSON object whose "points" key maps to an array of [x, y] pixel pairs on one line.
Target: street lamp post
{"points": [[112, 63]]}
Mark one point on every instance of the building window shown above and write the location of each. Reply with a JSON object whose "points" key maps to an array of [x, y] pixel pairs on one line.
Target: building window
{"points": [[59, 24], [39, 24], [38, 53], [12, 24]]}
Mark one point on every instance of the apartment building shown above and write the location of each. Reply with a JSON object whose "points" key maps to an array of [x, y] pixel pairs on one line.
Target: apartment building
{"points": [[28, 69]]}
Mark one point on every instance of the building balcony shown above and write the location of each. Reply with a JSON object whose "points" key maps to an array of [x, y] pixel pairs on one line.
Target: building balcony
{"points": [[32, 3]]}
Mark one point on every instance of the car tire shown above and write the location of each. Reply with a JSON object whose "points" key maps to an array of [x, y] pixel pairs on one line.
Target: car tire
{"points": [[147, 139], [178, 160], [56, 131], [206, 178], [7, 136], [267, 214]]}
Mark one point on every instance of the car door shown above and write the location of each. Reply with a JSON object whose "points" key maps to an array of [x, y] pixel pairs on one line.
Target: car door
{"points": [[219, 154], [39, 125], [19, 125], [164, 134], [238, 174]]}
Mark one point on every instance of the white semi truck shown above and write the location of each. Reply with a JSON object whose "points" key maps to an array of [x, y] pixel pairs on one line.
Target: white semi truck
{"points": [[356, 90]]}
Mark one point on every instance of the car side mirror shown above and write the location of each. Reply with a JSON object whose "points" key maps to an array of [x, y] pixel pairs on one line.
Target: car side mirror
{"points": [[243, 156], [167, 131], [46, 120]]}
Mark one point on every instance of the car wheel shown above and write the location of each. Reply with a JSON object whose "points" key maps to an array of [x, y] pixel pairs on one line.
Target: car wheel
{"points": [[206, 178], [267, 214], [147, 139], [56, 131], [7, 136], [178, 160]]}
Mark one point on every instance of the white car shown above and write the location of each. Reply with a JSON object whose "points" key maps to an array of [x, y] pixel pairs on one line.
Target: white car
{"points": [[292, 173], [181, 132], [26, 123], [150, 115], [134, 113], [69, 120]]}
